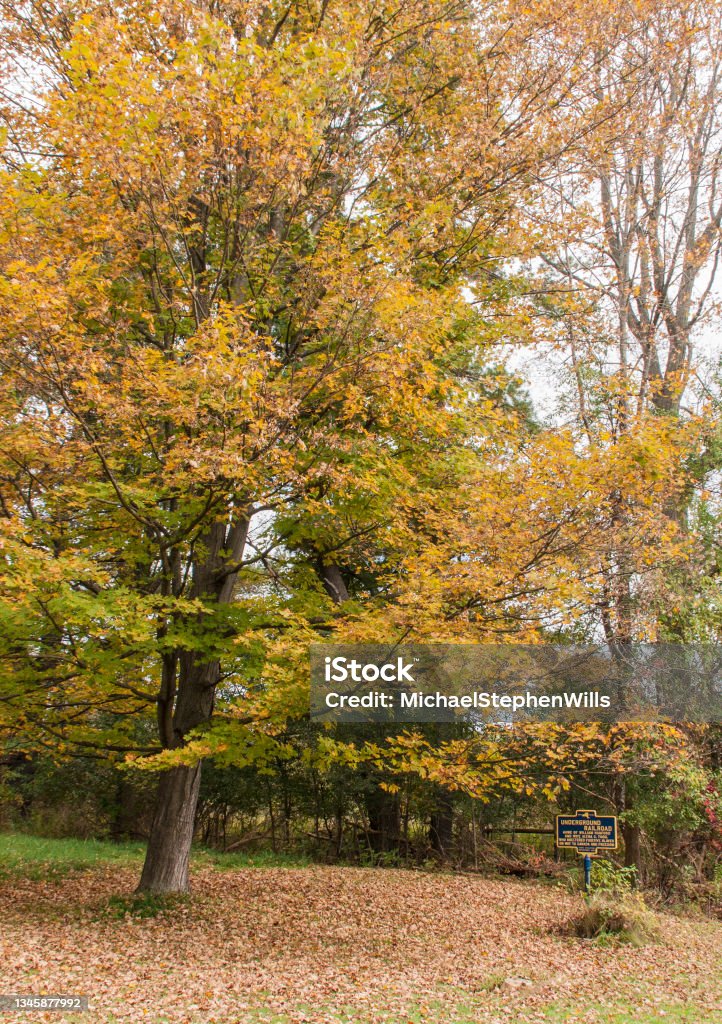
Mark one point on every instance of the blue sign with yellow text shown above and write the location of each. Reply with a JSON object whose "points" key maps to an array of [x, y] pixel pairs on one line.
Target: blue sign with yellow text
{"points": [[586, 832]]}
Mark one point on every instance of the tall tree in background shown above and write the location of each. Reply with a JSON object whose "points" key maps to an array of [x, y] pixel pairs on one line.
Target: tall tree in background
{"points": [[628, 223]]}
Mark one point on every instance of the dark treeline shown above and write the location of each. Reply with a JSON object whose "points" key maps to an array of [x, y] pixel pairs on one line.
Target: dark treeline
{"points": [[670, 829]]}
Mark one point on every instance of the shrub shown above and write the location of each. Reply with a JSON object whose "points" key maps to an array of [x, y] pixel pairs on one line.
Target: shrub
{"points": [[613, 879], [620, 917]]}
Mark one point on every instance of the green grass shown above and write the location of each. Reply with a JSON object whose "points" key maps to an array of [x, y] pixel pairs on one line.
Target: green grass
{"points": [[477, 1012], [26, 856], [469, 1014], [669, 1013], [144, 904], [36, 858], [259, 859]]}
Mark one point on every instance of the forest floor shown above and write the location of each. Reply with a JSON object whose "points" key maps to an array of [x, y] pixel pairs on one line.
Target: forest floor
{"points": [[330, 945]]}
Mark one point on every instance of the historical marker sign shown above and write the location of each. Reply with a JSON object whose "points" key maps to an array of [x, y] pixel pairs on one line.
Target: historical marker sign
{"points": [[586, 832]]}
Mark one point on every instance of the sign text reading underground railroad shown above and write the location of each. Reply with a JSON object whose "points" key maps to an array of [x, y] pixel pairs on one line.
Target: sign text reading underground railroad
{"points": [[505, 683]]}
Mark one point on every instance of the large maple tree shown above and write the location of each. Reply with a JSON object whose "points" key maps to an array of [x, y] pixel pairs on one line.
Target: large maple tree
{"points": [[252, 280], [234, 243]]}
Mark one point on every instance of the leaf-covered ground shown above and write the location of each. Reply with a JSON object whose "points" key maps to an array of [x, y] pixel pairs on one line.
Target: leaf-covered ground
{"points": [[324, 944]]}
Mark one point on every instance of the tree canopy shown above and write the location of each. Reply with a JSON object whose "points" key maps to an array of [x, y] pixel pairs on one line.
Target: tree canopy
{"points": [[262, 264]]}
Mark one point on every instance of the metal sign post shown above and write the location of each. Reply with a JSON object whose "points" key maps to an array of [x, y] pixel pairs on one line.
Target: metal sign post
{"points": [[587, 833]]}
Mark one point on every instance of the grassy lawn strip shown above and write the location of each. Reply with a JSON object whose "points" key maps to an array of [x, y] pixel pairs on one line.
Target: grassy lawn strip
{"points": [[24, 856], [667, 1013], [474, 1012], [27, 856], [467, 1013]]}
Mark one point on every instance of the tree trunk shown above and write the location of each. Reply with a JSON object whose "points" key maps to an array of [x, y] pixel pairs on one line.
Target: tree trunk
{"points": [[126, 814], [185, 701], [166, 861], [441, 826], [384, 811], [632, 840], [171, 833], [632, 848]]}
